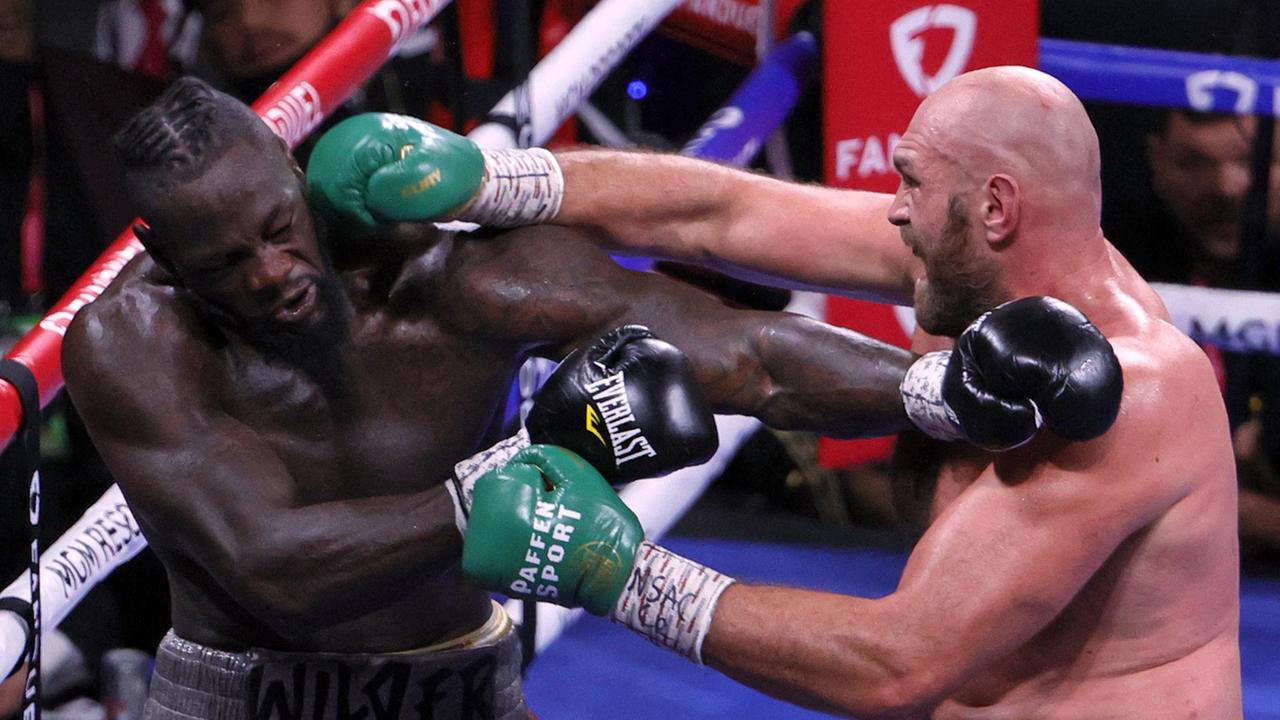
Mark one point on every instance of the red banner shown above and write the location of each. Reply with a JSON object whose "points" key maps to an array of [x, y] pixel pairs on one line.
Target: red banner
{"points": [[890, 55], [727, 27]]}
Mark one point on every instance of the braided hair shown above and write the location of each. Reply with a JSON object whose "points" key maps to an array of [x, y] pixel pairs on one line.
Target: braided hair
{"points": [[184, 130]]}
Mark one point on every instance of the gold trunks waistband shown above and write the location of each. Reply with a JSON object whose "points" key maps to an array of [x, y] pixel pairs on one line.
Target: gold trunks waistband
{"points": [[494, 629]]}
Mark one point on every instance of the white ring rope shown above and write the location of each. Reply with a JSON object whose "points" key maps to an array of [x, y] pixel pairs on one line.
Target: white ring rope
{"points": [[562, 80], [104, 538]]}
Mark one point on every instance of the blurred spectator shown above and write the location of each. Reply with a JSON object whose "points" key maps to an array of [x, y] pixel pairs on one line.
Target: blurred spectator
{"points": [[17, 32], [1191, 232], [149, 37], [250, 43], [1200, 173], [246, 45], [1199, 167]]}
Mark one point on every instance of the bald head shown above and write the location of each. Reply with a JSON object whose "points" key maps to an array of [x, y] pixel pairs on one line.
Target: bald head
{"points": [[1026, 124], [1000, 192]]}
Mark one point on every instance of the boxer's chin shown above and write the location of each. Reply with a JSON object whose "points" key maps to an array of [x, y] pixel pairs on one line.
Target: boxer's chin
{"points": [[934, 313], [314, 345], [946, 307]]}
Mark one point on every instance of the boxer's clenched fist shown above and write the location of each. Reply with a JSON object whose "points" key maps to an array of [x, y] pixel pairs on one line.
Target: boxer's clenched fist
{"points": [[548, 527], [628, 403], [380, 168], [1030, 362]]}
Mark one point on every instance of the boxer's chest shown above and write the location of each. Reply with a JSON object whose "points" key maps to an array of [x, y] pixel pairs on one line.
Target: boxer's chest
{"points": [[404, 402], [930, 475], [959, 468]]}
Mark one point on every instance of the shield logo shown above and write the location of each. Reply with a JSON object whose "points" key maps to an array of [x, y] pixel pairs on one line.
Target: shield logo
{"points": [[907, 41], [1200, 87]]}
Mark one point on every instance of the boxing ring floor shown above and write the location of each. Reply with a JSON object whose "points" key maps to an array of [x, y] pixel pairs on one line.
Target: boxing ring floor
{"points": [[599, 670]]}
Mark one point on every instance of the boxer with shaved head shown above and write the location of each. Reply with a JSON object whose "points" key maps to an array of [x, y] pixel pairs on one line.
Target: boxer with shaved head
{"points": [[1093, 579]]}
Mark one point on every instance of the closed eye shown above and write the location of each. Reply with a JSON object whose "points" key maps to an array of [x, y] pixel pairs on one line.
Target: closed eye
{"points": [[213, 271], [904, 170], [223, 264], [279, 231], [277, 223]]}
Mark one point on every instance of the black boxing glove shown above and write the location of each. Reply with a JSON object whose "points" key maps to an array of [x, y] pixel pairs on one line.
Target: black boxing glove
{"points": [[628, 403], [1029, 362]]}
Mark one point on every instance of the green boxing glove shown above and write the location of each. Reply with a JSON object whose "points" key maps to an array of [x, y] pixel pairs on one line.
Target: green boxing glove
{"points": [[547, 526], [380, 168], [580, 538]]}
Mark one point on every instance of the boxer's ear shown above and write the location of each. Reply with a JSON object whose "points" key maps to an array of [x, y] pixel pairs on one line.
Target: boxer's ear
{"points": [[147, 237], [1001, 207], [293, 161]]}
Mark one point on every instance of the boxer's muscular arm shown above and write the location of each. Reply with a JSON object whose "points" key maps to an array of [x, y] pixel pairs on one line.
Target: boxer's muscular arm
{"points": [[209, 488], [997, 566], [553, 286], [753, 226]]}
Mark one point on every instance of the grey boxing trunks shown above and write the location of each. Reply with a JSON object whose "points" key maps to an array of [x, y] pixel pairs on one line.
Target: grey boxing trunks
{"points": [[475, 677]]}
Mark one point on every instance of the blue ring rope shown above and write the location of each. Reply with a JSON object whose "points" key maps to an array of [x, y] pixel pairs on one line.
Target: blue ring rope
{"points": [[1169, 78]]}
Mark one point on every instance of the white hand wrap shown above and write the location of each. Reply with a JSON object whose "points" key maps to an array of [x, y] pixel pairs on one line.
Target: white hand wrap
{"points": [[922, 397], [462, 486], [520, 187], [670, 600]]}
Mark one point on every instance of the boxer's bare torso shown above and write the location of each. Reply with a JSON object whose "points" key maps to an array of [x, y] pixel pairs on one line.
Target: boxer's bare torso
{"points": [[305, 509], [1059, 580], [423, 379], [1153, 633]]}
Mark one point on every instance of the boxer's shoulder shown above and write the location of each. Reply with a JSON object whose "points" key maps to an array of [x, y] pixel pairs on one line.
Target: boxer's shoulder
{"points": [[530, 250], [524, 275], [1171, 431], [1158, 359], [139, 328]]}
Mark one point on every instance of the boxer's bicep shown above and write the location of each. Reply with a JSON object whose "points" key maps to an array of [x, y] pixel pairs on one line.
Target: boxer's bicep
{"points": [[217, 488], [1024, 540], [818, 238], [744, 223], [201, 484]]}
